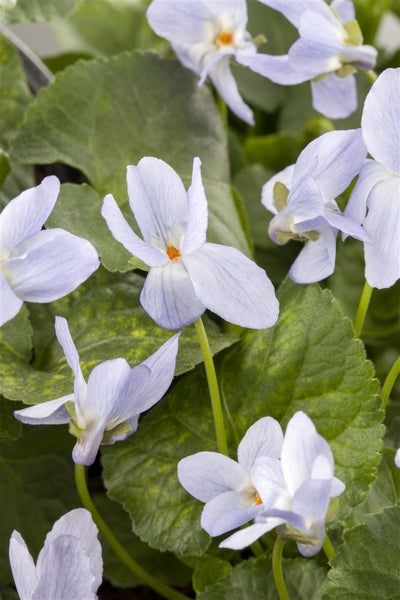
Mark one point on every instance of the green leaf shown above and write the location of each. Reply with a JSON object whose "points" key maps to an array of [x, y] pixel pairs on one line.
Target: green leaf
{"points": [[106, 321], [37, 10], [384, 490], [310, 361], [253, 579], [17, 334], [18, 179], [78, 210], [36, 488], [101, 115], [14, 93], [163, 566], [105, 27], [10, 428], [366, 566], [210, 570]]}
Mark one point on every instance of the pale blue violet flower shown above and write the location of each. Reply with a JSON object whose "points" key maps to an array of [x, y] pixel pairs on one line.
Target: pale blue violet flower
{"points": [[224, 484], [328, 52], [106, 408], [375, 201], [295, 490], [397, 458], [68, 566], [302, 197], [38, 265], [187, 274], [205, 36]]}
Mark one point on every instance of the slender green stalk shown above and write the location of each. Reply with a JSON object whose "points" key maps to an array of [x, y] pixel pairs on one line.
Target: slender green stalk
{"points": [[216, 405], [389, 382], [362, 308], [143, 576], [328, 548], [277, 569], [371, 76]]}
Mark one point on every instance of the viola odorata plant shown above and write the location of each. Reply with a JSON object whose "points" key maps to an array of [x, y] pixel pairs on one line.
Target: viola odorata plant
{"points": [[225, 485], [106, 409], [295, 489], [375, 200], [69, 565], [206, 36], [38, 265], [328, 52], [302, 198], [187, 274], [184, 257]]}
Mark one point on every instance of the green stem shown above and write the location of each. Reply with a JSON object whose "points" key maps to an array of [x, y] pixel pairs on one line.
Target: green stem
{"points": [[362, 308], [328, 548], [371, 76], [216, 405], [389, 382], [277, 569], [143, 576]]}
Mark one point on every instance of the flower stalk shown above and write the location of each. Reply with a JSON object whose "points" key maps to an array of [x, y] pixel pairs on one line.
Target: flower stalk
{"points": [[145, 577], [390, 381], [362, 308], [215, 397], [278, 570]]}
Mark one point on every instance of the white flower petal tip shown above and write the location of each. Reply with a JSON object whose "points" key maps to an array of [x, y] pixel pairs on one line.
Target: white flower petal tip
{"points": [[397, 458], [69, 565], [205, 37], [187, 275], [302, 199], [295, 489], [106, 408], [328, 50], [39, 265]]}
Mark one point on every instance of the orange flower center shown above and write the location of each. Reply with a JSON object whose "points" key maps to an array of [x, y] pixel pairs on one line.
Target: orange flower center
{"points": [[224, 39], [257, 499], [173, 252]]}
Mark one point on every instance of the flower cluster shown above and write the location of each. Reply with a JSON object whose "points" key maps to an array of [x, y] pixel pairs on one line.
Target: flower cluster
{"points": [[279, 481]]}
